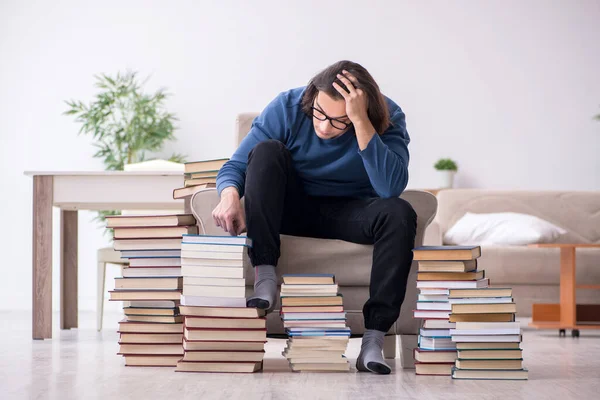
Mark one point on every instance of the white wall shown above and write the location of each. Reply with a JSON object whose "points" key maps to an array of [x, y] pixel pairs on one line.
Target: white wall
{"points": [[507, 88]]}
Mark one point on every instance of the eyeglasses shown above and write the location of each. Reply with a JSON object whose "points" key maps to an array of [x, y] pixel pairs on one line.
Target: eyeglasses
{"points": [[336, 123]]}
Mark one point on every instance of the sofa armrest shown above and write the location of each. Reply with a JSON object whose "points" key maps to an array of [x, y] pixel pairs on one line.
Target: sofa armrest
{"points": [[202, 204], [433, 235]]}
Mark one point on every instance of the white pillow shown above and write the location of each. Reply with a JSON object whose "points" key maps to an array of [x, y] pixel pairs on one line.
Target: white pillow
{"points": [[506, 228]]}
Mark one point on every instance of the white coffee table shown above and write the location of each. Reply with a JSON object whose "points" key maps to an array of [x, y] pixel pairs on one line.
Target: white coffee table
{"points": [[79, 190]]}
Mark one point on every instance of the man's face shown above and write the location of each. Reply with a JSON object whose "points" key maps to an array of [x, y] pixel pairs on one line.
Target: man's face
{"points": [[328, 111]]}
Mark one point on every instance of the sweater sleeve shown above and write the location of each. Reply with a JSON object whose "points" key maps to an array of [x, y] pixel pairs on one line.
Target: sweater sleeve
{"points": [[386, 158], [270, 124]]}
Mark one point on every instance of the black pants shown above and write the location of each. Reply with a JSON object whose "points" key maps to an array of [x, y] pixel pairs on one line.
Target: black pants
{"points": [[276, 204]]}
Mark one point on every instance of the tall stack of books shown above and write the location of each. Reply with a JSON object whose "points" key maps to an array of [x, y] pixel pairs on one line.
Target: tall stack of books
{"points": [[199, 175], [220, 334], [151, 332], [440, 270], [486, 335], [313, 316]]}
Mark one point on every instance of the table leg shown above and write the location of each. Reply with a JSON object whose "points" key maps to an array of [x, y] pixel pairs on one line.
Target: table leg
{"points": [[567, 286], [42, 257], [68, 269]]}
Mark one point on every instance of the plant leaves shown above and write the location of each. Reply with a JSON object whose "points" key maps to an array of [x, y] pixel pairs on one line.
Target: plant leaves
{"points": [[124, 121], [445, 164], [178, 158]]}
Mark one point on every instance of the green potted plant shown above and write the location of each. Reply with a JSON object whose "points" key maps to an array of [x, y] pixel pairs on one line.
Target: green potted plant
{"points": [[446, 168], [126, 123]]}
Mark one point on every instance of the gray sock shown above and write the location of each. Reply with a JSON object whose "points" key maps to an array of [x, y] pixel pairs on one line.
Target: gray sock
{"points": [[265, 288], [370, 358]]}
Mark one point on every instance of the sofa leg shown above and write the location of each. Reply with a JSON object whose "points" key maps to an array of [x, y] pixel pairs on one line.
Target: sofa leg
{"points": [[389, 346], [407, 345]]}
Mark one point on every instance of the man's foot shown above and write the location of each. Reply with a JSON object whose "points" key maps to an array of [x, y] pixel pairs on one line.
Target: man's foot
{"points": [[370, 358], [265, 288]]}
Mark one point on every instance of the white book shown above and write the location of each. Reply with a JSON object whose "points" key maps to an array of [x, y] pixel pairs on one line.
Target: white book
{"points": [[217, 291], [433, 305], [435, 332], [460, 332], [204, 262], [151, 272], [431, 343], [326, 324], [223, 239], [332, 289], [488, 325], [481, 283], [211, 255], [194, 280], [433, 297], [431, 314], [288, 293], [434, 291], [439, 324], [291, 287], [310, 316], [155, 262], [204, 301], [213, 248], [486, 338], [211, 272], [147, 244], [152, 304], [480, 300]]}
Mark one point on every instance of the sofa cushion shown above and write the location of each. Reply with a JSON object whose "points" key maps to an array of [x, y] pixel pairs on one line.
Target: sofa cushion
{"points": [[506, 228], [535, 266], [576, 211], [349, 262]]}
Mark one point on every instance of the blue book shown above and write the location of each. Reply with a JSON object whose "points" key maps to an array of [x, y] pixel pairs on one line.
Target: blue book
{"points": [[214, 239], [150, 253]]}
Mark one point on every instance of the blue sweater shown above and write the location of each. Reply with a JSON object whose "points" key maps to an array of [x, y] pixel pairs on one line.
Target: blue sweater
{"points": [[332, 167]]}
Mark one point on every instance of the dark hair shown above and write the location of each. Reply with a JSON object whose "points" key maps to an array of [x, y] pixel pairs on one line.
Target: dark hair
{"points": [[377, 107]]}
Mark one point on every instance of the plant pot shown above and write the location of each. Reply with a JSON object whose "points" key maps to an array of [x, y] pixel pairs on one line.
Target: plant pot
{"points": [[446, 179]]}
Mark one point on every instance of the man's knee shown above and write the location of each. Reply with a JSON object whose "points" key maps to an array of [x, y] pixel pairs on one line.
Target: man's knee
{"points": [[268, 150], [398, 212]]}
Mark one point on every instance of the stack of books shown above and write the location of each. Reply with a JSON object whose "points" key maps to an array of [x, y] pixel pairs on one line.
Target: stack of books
{"points": [[199, 175], [151, 332], [220, 333], [486, 334], [442, 269], [313, 316]]}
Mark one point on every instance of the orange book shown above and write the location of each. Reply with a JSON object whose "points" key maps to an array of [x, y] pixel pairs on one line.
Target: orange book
{"points": [[188, 191], [136, 221], [204, 166]]}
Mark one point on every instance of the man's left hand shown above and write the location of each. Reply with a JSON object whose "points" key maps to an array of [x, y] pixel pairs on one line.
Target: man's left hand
{"points": [[356, 100]]}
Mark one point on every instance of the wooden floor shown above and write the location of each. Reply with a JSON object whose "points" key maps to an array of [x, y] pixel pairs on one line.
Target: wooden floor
{"points": [[82, 364]]}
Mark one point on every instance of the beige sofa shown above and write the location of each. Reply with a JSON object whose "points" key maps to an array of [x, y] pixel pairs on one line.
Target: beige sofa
{"points": [[349, 262], [533, 273]]}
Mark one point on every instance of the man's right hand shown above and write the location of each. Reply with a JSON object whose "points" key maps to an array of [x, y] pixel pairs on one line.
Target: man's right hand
{"points": [[229, 214]]}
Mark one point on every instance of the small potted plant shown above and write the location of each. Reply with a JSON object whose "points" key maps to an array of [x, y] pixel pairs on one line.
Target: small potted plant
{"points": [[446, 168]]}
